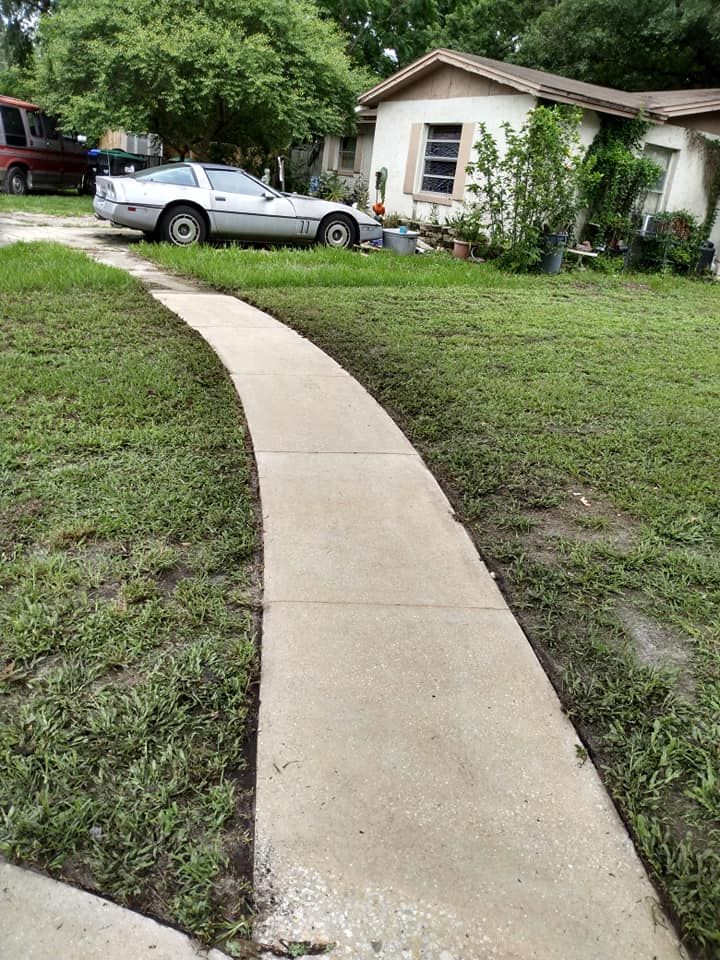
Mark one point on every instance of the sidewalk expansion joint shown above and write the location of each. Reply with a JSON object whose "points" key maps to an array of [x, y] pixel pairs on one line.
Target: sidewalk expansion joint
{"points": [[405, 605]]}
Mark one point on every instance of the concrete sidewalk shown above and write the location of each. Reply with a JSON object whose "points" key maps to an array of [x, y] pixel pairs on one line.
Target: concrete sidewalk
{"points": [[419, 792]]}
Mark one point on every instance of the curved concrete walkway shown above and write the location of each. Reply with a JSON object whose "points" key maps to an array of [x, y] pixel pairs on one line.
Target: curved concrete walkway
{"points": [[419, 794]]}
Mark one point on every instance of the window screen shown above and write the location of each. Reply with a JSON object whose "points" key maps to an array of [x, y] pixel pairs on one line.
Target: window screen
{"points": [[13, 127], [442, 148]]}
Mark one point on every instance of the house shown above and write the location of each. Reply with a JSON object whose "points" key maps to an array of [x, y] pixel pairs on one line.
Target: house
{"points": [[350, 157], [426, 118]]}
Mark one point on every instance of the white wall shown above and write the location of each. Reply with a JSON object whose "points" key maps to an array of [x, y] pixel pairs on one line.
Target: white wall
{"points": [[685, 188], [392, 139]]}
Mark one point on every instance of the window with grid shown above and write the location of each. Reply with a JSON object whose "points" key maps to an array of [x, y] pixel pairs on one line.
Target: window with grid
{"points": [[442, 147], [348, 146]]}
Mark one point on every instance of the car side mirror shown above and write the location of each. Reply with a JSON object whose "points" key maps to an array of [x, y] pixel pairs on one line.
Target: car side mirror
{"points": [[268, 196]]}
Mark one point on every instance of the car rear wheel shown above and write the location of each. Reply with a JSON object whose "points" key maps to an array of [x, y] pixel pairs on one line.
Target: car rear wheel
{"points": [[16, 181], [183, 226], [338, 230]]}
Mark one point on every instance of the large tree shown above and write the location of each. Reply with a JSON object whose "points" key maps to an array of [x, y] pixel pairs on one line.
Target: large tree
{"points": [[385, 34], [488, 28], [18, 23], [204, 75], [630, 44]]}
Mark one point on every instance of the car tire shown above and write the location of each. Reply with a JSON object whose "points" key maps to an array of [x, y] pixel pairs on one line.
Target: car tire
{"points": [[183, 226], [16, 182], [339, 231]]}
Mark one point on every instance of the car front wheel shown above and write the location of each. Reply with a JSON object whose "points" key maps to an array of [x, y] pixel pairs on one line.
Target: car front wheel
{"points": [[183, 226], [338, 230], [16, 182]]}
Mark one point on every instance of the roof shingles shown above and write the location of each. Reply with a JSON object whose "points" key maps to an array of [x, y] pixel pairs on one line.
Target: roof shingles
{"points": [[658, 105]]}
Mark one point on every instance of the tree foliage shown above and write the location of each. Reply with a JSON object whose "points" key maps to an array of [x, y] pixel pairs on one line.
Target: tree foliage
{"points": [[629, 44], [385, 34], [205, 76], [18, 23], [489, 28]]}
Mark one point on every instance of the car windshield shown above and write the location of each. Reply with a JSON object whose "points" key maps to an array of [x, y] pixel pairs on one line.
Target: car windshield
{"points": [[177, 173]]}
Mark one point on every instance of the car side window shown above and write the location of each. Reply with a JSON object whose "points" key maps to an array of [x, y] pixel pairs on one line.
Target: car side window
{"points": [[51, 128], [13, 126], [33, 119], [235, 181], [180, 176]]}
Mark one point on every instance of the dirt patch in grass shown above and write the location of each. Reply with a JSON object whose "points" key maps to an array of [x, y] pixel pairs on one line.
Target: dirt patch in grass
{"points": [[584, 515], [657, 645]]}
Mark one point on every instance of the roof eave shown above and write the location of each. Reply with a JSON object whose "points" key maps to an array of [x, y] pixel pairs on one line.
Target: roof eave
{"points": [[406, 76], [690, 109]]}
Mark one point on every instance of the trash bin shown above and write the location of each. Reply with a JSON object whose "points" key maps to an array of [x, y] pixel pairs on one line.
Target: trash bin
{"points": [[554, 246], [705, 259], [399, 240], [111, 163]]}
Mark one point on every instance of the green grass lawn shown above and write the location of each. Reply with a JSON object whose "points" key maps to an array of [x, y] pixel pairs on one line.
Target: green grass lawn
{"points": [[53, 204], [128, 589], [575, 421]]}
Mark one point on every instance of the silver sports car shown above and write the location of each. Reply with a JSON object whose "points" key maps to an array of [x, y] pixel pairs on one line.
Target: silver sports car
{"points": [[185, 203]]}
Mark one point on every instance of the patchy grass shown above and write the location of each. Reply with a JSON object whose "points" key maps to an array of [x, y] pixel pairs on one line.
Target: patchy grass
{"points": [[53, 204], [128, 584], [576, 423]]}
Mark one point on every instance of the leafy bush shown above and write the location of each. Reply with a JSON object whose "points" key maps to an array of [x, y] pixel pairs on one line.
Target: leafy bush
{"points": [[673, 247], [333, 187], [619, 178], [533, 188], [468, 225]]}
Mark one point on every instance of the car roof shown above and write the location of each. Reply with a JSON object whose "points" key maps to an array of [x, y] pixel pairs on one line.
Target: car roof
{"points": [[15, 102]]}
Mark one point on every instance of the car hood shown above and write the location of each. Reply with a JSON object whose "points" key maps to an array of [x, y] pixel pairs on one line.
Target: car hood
{"points": [[314, 208]]}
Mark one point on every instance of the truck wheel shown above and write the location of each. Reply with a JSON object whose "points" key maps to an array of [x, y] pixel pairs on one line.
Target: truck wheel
{"points": [[16, 181]]}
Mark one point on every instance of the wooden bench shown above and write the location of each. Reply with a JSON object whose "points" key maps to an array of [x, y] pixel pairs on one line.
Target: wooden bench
{"points": [[581, 255]]}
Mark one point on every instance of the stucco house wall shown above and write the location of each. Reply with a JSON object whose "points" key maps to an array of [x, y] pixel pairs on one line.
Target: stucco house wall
{"points": [[398, 144], [443, 93]]}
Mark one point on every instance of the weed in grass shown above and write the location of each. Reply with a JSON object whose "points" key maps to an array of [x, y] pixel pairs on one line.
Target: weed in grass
{"points": [[521, 392], [125, 673]]}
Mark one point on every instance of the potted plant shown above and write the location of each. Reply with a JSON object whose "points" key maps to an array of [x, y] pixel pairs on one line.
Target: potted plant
{"points": [[467, 228]]}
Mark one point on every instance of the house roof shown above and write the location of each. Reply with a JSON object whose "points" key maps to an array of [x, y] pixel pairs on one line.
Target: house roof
{"points": [[660, 105]]}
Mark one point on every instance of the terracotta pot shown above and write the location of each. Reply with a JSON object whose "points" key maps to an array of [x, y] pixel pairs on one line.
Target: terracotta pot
{"points": [[461, 249]]}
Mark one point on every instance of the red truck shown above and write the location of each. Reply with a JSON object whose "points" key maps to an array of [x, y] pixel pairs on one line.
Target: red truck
{"points": [[34, 155]]}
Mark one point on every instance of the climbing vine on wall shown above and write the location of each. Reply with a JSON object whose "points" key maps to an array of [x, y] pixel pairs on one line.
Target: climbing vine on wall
{"points": [[622, 177], [710, 149]]}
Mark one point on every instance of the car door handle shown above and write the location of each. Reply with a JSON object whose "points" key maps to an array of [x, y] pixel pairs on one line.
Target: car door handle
{"points": [[220, 198]]}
